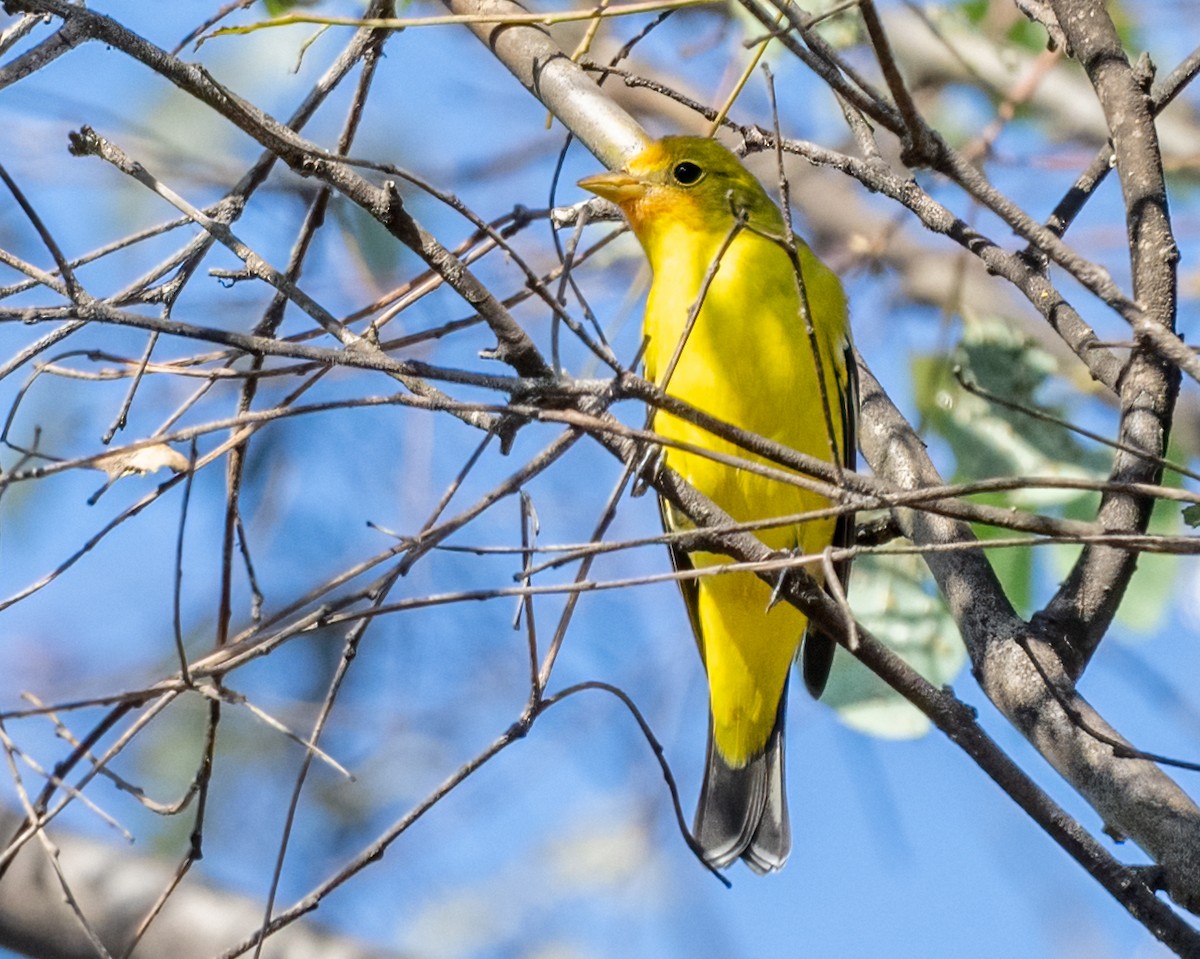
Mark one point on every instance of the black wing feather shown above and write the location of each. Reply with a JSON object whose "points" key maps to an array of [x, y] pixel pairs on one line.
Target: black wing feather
{"points": [[817, 655]]}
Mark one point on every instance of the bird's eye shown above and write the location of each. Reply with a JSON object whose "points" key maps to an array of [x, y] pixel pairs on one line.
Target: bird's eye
{"points": [[687, 173]]}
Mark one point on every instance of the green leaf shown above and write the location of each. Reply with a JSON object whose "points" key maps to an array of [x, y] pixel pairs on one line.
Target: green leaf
{"points": [[894, 599], [1019, 32], [1152, 587], [1149, 593], [277, 8], [367, 242], [984, 400], [1022, 32], [977, 400], [1013, 566]]}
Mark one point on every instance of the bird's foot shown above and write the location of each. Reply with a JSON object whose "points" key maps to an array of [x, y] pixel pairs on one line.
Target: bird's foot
{"points": [[645, 471], [780, 582]]}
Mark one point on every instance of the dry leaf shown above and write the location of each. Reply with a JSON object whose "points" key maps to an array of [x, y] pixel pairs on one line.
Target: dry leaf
{"points": [[145, 459]]}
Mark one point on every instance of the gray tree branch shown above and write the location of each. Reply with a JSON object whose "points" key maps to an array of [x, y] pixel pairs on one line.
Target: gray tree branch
{"points": [[1023, 675], [1080, 613], [529, 53], [115, 889]]}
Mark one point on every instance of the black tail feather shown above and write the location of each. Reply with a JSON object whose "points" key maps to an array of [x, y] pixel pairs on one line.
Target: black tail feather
{"points": [[816, 658], [743, 810]]}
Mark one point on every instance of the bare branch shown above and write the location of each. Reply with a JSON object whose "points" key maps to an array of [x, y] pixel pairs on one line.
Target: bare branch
{"points": [[1080, 613], [1013, 664], [116, 889], [555, 79]]}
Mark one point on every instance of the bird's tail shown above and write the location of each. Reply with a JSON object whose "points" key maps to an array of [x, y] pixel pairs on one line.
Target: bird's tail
{"points": [[743, 810]]}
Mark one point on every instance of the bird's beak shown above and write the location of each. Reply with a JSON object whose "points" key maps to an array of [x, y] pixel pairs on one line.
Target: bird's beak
{"points": [[620, 188]]}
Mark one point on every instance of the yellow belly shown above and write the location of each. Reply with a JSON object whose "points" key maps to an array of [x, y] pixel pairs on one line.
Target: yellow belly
{"points": [[749, 362]]}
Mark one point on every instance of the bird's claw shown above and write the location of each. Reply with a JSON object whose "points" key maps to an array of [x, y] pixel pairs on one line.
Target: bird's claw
{"points": [[645, 471], [777, 589]]}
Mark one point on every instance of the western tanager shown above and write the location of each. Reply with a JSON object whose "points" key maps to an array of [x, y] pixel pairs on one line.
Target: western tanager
{"points": [[749, 360]]}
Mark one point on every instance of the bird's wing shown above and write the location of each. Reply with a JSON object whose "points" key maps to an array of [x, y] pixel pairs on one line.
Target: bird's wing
{"points": [[843, 537], [672, 521], [818, 651]]}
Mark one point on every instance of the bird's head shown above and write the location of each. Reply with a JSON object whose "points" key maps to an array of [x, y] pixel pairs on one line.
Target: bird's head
{"points": [[687, 181]]}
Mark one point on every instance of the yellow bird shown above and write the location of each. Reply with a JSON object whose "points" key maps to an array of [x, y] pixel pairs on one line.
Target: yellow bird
{"points": [[748, 360]]}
